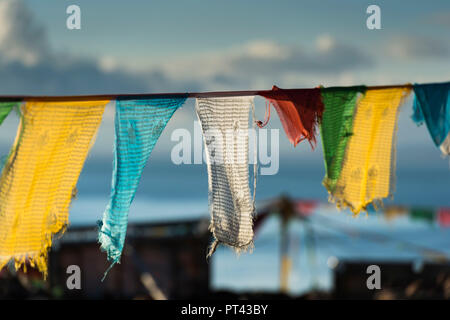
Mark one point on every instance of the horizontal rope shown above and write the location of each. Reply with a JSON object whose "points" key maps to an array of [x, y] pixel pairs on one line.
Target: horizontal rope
{"points": [[212, 94]]}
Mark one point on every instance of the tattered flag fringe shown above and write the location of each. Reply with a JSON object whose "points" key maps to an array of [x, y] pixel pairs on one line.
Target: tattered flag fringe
{"points": [[40, 175], [224, 123], [368, 171], [138, 125]]}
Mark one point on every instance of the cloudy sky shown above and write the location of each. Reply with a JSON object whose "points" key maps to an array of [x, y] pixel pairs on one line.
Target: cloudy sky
{"points": [[163, 46], [135, 46]]}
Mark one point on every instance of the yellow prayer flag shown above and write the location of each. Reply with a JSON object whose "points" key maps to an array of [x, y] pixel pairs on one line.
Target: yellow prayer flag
{"points": [[369, 165], [39, 178]]}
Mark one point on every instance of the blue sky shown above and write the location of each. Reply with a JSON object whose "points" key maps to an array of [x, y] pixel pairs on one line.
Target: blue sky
{"points": [[209, 45], [156, 29]]}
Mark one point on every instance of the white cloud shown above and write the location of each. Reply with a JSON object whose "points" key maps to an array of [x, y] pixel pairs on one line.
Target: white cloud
{"points": [[29, 66], [416, 47], [325, 43], [261, 63], [264, 50], [108, 64]]}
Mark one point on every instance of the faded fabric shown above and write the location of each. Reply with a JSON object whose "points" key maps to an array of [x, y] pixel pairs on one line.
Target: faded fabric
{"points": [[39, 178], [336, 128], [224, 123], [432, 106], [138, 125], [300, 111], [368, 170]]}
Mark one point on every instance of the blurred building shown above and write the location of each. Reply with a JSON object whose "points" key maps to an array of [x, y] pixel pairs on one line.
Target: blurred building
{"points": [[160, 261], [398, 281], [168, 261]]}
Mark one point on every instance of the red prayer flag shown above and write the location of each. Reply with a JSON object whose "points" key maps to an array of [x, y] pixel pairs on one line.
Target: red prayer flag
{"points": [[300, 111], [444, 217], [305, 208]]}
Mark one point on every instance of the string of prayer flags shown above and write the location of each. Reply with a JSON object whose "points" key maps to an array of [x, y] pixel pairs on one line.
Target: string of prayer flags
{"points": [[39, 178], [358, 127], [368, 170], [305, 208], [299, 110], [393, 211], [423, 214], [224, 123], [138, 125], [432, 106], [336, 128], [5, 109]]}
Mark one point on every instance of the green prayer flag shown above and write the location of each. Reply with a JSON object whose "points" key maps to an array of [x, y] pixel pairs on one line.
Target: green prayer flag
{"points": [[5, 109], [336, 128], [423, 214]]}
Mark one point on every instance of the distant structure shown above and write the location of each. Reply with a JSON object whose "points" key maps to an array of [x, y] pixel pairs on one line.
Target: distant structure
{"points": [[161, 261], [168, 261], [399, 280]]}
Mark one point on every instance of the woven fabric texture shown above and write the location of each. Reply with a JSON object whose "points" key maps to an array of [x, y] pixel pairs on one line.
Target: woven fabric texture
{"points": [[336, 128], [368, 171], [138, 125], [299, 110], [39, 179], [432, 106], [224, 123]]}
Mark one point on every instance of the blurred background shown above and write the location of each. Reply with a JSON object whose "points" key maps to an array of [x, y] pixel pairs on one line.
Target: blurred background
{"points": [[304, 247]]}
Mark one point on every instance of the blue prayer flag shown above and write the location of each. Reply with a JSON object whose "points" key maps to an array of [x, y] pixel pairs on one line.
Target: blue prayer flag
{"points": [[432, 105], [138, 125]]}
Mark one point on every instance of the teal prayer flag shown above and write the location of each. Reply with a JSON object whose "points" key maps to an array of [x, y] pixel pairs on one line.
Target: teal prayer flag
{"points": [[432, 106], [138, 125]]}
